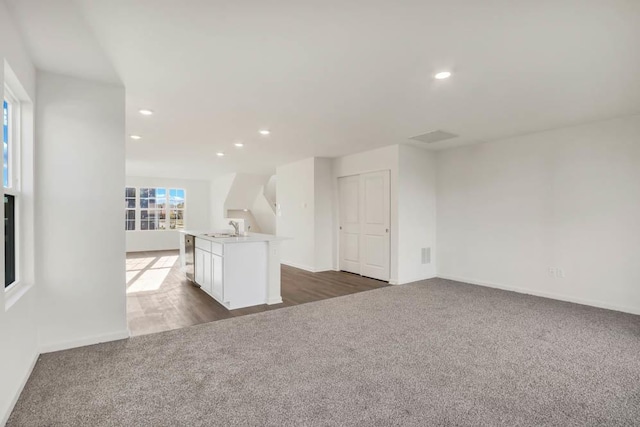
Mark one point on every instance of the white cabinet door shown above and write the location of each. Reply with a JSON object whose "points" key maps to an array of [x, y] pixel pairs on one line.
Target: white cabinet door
{"points": [[217, 287], [374, 226], [364, 206], [199, 267], [349, 193], [208, 277]]}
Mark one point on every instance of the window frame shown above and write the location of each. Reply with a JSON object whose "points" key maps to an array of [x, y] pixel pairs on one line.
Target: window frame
{"points": [[166, 209], [14, 143]]}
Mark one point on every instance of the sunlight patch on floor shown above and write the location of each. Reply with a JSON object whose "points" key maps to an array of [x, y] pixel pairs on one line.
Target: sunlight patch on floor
{"points": [[165, 262], [150, 280], [138, 263], [131, 275]]}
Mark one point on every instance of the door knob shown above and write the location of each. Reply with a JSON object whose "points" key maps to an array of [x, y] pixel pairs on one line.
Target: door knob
{"points": [[386, 230], [340, 227]]}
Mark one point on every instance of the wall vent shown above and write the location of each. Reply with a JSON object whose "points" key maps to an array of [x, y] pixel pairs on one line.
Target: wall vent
{"points": [[434, 136], [426, 255]]}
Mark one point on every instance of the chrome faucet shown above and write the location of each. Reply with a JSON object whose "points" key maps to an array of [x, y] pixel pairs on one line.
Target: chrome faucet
{"points": [[236, 227]]}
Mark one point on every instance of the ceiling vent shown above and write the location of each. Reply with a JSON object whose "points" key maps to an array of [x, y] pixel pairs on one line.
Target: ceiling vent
{"points": [[434, 136]]}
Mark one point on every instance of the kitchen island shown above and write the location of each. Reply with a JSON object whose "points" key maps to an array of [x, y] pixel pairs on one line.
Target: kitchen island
{"points": [[237, 272]]}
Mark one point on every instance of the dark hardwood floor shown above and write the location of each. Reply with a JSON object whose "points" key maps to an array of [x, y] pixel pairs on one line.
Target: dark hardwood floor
{"points": [[160, 298]]}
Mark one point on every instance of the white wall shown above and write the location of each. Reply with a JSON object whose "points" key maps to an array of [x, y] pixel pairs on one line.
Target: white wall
{"points": [[264, 214], [219, 190], [246, 219], [80, 238], [18, 326], [416, 213], [567, 198], [295, 188], [247, 192], [197, 215], [305, 199], [323, 213], [307, 193], [385, 158], [270, 189], [244, 190], [238, 191]]}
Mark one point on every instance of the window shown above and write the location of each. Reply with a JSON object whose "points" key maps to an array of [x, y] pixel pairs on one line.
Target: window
{"points": [[5, 141], [153, 202], [10, 179], [148, 208], [176, 209], [130, 208]]}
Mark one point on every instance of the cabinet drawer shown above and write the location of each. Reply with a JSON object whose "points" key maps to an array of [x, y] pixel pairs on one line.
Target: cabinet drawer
{"points": [[203, 244], [216, 248]]}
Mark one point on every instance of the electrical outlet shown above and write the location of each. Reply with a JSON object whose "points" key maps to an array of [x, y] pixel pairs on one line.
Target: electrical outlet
{"points": [[560, 273], [552, 272]]}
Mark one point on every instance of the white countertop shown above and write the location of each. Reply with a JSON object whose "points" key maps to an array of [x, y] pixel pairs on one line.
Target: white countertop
{"points": [[248, 238]]}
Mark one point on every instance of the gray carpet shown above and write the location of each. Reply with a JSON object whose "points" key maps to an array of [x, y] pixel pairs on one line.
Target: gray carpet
{"points": [[430, 353]]}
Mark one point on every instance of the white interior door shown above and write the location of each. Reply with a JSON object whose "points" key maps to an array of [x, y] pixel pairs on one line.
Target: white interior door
{"points": [[349, 189], [374, 234], [364, 224]]}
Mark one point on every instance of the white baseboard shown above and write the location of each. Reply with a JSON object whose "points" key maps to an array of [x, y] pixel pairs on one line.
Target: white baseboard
{"points": [[12, 404], [274, 301], [300, 266], [551, 295], [153, 249], [65, 345], [415, 279]]}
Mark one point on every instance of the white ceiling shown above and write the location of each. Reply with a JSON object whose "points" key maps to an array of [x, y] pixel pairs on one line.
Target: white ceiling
{"points": [[330, 77]]}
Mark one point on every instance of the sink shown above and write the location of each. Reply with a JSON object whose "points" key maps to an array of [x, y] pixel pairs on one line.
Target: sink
{"points": [[222, 235]]}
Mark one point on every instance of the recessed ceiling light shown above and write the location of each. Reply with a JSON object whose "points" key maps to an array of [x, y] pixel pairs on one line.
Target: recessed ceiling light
{"points": [[264, 132], [145, 112], [443, 75], [239, 144], [220, 154], [136, 137], [245, 210]]}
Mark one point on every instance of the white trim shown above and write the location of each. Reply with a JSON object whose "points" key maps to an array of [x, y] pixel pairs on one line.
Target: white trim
{"points": [[365, 172], [551, 295], [307, 268], [415, 279], [274, 301], [300, 266], [14, 292], [82, 342], [12, 403], [313, 270]]}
